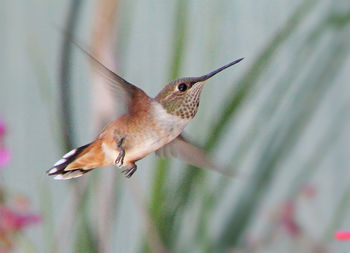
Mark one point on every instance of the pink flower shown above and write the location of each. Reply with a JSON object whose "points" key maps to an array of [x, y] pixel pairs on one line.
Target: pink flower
{"points": [[11, 223], [342, 235], [12, 220], [16, 221], [288, 219], [5, 155], [2, 128]]}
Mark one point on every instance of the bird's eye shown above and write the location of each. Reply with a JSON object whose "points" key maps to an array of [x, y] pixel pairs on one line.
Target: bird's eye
{"points": [[182, 87]]}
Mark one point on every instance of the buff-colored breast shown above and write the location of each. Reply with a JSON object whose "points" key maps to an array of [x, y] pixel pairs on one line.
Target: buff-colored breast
{"points": [[144, 133]]}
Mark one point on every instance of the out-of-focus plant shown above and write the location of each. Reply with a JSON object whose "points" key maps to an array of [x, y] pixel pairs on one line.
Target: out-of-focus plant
{"points": [[274, 133], [14, 213], [277, 146], [175, 207], [4, 153], [12, 222]]}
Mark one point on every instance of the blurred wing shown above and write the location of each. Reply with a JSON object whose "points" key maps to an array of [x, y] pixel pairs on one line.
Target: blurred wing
{"points": [[182, 149], [122, 89]]}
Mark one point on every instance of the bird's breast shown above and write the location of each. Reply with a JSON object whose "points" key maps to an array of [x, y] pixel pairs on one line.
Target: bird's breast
{"points": [[155, 130]]}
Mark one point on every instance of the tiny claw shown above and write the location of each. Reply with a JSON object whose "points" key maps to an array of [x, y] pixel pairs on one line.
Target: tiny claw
{"points": [[130, 171]]}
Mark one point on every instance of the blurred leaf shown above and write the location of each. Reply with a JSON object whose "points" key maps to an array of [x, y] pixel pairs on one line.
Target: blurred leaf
{"points": [[85, 241], [282, 141], [333, 21], [65, 75]]}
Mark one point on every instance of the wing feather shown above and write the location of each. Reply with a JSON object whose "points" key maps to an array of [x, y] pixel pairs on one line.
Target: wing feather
{"points": [[122, 89], [184, 150]]}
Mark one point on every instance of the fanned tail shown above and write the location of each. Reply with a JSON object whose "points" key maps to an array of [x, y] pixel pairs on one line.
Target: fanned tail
{"points": [[78, 161]]}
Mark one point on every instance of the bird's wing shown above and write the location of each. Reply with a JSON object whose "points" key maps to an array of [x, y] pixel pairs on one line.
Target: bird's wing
{"points": [[184, 150], [122, 89]]}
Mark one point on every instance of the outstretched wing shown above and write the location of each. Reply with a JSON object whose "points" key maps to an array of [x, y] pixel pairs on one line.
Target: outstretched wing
{"points": [[184, 150], [122, 89]]}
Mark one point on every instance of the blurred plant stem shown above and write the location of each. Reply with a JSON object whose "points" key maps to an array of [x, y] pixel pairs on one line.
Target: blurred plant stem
{"points": [[160, 174], [103, 111], [85, 240], [152, 235], [189, 182], [73, 203], [65, 76]]}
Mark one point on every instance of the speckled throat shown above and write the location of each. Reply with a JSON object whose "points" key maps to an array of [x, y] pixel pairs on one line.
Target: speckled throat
{"points": [[185, 106]]}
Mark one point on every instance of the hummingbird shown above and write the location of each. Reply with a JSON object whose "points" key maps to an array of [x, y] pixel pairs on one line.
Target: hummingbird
{"points": [[148, 125]]}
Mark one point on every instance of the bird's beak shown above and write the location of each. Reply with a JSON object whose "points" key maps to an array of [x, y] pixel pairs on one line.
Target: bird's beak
{"points": [[214, 72]]}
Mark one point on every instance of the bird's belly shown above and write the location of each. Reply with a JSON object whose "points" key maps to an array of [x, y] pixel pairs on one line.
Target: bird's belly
{"points": [[135, 148], [157, 130], [141, 150], [144, 146]]}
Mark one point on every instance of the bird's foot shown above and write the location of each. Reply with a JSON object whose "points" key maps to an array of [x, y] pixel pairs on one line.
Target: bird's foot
{"points": [[120, 158], [130, 171]]}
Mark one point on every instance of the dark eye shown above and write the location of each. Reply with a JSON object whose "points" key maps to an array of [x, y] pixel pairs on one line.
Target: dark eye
{"points": [[182, 87]]}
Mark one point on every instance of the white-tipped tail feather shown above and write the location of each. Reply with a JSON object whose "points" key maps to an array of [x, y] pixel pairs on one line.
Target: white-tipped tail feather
{"points": [[63, 169], [70, 153], [52, 171], [70, 174], [59, 162]]}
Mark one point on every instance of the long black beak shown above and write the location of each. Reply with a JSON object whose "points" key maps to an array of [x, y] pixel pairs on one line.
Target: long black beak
{"points": [[214, 72]]}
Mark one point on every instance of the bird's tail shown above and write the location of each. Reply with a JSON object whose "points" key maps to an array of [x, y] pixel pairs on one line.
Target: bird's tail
{"points": [[78, 161]]}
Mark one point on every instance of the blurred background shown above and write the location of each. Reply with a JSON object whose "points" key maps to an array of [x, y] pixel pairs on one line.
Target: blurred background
{"points": [[279, 120]]}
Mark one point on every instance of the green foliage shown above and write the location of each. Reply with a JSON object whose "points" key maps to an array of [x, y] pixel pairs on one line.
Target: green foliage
{"points": [[193, 175], [277, 146], [85, 241]]}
